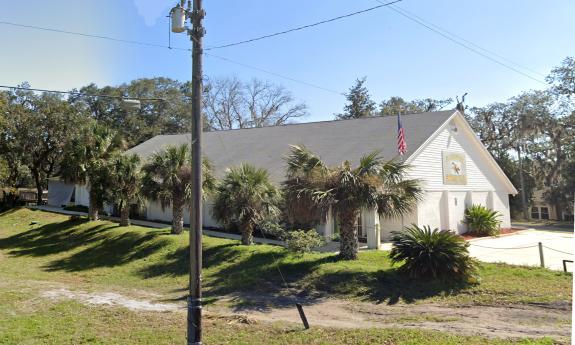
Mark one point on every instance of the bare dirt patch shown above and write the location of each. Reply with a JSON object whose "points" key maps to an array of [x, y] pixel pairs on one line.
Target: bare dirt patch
{"points": [[506, 321], [510, 321], [109, 299]]}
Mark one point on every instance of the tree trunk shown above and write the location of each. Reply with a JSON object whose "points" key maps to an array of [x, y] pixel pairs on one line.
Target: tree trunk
{"points": [[522, 186], [558, 210], [349, 244], [93, 208], [247, 234], [125, 214], [177, 216], [39, 189]]}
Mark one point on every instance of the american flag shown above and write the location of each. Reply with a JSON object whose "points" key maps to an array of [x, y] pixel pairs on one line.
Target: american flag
{"points": [[401, 145]]}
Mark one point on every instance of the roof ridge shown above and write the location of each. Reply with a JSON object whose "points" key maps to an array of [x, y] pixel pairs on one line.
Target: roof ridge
{"points": [[313, 122]]}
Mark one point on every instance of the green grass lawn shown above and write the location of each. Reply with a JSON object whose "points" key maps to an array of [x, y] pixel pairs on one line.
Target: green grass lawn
{"points": [[103, 254], [100, 256]]}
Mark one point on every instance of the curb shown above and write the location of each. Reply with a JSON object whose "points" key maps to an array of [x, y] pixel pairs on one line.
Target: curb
{"points": [[498, 236]]}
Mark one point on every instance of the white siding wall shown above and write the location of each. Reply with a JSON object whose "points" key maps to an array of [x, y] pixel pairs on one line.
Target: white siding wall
{"points": [[430, 210], [388, 225], [480, 198], [443, 205], [428, 167], [82, 195], [59, 192], [501, 204], [208, 220], [154, 212]]}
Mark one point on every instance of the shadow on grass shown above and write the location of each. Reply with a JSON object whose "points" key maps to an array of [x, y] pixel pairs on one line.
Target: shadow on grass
{"points": [[104, 247], [384, 286], [113, 251], [249, 275], [9, 211], [249, 278], [51, 238]]}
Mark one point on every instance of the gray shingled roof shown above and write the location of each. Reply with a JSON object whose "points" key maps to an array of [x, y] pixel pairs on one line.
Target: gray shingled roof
{"points": [[334, 141]]}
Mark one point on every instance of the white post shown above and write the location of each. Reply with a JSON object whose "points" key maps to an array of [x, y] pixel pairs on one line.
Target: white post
{"points": [[371, 225], [328, 227]]}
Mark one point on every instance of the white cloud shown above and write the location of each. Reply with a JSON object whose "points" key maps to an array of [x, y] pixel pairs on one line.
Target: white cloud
{"points": [[151, 10]]}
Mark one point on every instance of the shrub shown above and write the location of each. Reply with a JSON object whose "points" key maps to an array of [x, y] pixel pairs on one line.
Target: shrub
{"points": [[301, 241], [482, 221], [10, 199], [269, 227], [432, 254]]}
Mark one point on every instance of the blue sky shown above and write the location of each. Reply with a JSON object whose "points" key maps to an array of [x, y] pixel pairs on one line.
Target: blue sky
{"points": [[399, 57]]}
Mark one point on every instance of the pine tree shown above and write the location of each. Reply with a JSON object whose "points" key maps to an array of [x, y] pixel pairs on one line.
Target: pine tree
{"points": [[359, 103]]}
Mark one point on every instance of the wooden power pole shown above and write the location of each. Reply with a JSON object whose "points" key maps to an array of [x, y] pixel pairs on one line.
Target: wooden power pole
{"points": [[195, 299], [179, 16]]}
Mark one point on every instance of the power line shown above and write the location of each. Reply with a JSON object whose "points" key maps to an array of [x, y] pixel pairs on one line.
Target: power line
{"points": [[155, 45], [475, 50], [276, 74], [468, 41], [303, 26], [120, 40], [80, 93]]}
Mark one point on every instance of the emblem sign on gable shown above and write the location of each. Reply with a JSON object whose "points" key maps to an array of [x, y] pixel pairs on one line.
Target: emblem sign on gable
{"points": [[454, 168]]}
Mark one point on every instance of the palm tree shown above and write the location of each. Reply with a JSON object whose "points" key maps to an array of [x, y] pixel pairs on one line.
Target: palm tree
{"points": [[312, 188], [245, 197], [125, 183], [86, 159], [168, 178]]}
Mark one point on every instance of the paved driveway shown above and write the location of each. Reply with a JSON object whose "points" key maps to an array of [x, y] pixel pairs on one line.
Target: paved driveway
{"points": [[521, 248]]}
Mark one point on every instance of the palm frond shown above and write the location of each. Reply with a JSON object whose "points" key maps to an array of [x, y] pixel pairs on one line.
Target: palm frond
{"points": [[301, 162]]}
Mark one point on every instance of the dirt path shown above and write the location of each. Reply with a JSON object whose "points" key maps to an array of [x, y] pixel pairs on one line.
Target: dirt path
{"points": [[518, 321]]}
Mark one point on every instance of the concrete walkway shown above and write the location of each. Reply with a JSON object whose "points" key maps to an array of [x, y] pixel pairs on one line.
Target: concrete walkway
{"points": [[521, 248], [156, 225]]}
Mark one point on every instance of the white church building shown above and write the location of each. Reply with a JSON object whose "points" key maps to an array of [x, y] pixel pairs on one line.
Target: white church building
{"points": [[455, 169]]}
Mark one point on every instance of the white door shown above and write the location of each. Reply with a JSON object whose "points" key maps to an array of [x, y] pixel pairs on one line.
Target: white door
{"points": [[456, 210]]}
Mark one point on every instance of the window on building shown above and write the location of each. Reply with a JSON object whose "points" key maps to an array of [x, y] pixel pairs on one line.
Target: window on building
{"points": [[360, 232], [535, 212], [544, 213]]}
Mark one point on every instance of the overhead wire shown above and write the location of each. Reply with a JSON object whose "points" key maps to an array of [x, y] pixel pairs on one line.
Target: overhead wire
{"points": [[170, 47], [390, 5], [464, 45], [303, 26], [467, 41]]}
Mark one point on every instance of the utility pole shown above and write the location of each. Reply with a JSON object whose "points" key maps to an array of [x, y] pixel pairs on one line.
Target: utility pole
{"points": [[179, 15]]}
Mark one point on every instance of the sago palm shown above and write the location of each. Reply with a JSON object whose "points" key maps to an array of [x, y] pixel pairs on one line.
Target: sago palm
{"points": [[245, 197], [312, 188], [125, 183], [432, 254], [167, 178], [482, 221]]}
